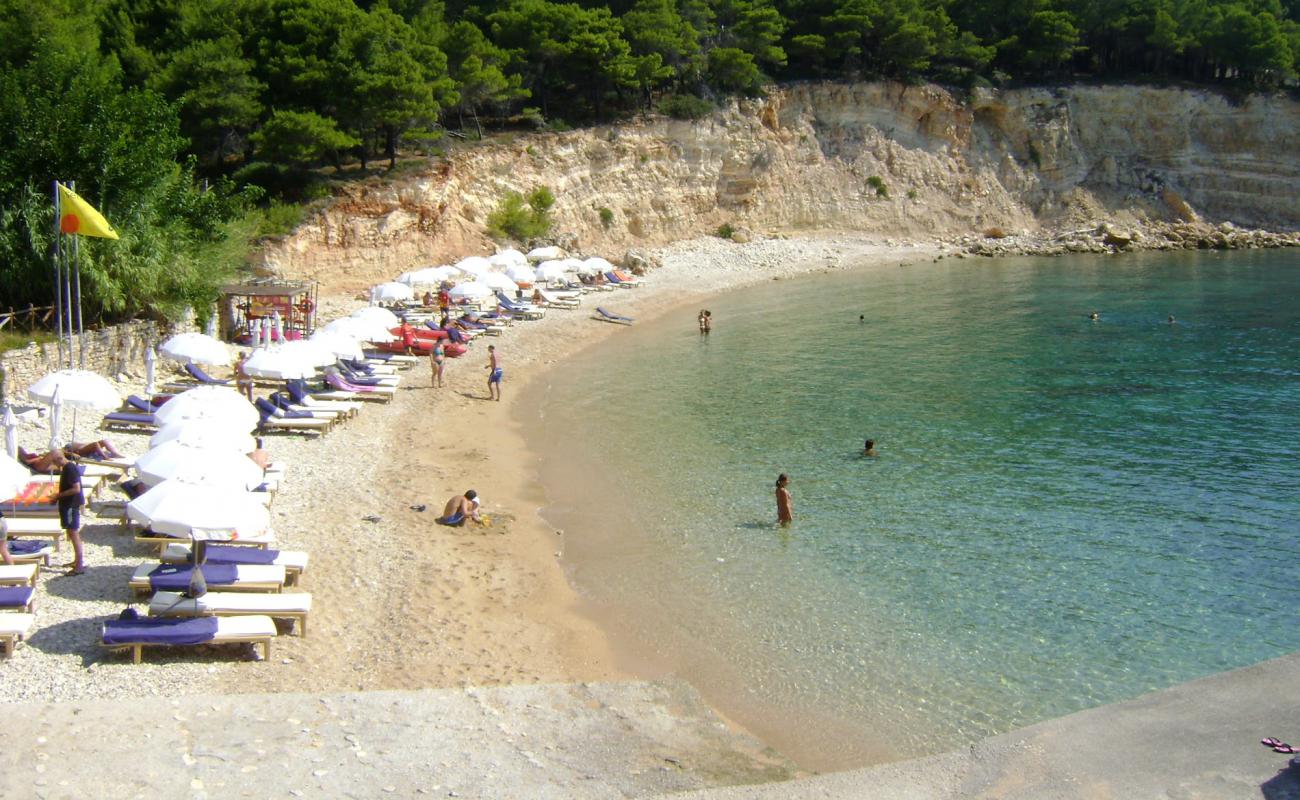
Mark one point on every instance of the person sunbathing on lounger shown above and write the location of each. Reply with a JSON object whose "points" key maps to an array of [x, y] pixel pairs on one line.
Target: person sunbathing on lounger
{"points": [[460, 508]]}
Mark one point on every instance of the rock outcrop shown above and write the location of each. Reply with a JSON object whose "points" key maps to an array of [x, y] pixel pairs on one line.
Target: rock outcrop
{"points": [[901, 161]]}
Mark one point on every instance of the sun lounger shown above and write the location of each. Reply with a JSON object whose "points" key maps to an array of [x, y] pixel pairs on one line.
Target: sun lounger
{"points": [[34, 527], [13, 629], [261, 541], [128, 420], [25, 552], [290, 605], [381, 394], [607, 316], [298, 387], [18, 598], [556, 301], [524, 310], [293, 561], [18, 574], [35, 500], [228, 577], [622, 279], [392, 358], [136, 403], [277, 419], [136, 634]]}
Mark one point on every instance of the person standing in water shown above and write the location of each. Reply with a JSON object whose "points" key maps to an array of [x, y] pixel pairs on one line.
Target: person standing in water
{"points": [[708, 321], [494, 374], [700, 320], [784, 508]]}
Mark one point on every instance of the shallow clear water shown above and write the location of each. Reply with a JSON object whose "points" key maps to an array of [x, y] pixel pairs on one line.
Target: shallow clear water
{"points": [[1063, 513]]}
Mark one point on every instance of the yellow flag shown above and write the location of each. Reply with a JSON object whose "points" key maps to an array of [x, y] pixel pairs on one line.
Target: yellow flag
{"points": [[80, 217]]}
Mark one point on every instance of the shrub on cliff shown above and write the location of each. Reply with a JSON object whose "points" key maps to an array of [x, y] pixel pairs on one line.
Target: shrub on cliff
{"points": [[685, 106], [522, 218]]}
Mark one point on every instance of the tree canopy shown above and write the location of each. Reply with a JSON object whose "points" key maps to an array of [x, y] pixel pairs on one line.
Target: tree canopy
{"points": [[160, 109]]}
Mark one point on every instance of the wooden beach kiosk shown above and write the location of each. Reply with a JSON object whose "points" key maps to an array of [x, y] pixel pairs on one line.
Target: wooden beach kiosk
{"points": [[243, 306]]}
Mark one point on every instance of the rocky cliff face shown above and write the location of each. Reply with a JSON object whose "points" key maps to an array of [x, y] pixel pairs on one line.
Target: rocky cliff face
{"points": [[900, 161]]}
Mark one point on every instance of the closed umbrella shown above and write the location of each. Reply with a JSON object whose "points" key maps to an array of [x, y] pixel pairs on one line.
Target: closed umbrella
{"points": [[178, 508], [150, 371], [392, 292], [197, 348], [191, 464], [217, 404], [206, 434], [11, 433], [277, 327], [56, 418]]}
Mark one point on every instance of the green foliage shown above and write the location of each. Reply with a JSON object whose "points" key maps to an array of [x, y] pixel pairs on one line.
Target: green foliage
{"points": [[684, 106], [878, 184], [65, 115], [733, 70], [300, 138], [277, 219], [725, 231], [606, 217], [521, 218], [911, 194]]}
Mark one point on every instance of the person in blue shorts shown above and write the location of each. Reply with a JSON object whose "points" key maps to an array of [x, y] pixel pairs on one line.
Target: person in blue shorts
{"points": [[459, 509], [71, 499], [494, 374]]}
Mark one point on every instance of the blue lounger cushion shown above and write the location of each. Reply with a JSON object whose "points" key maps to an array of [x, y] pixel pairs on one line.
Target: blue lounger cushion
{"points": [[160, 630], [201, 376], [176, 577], [26, 547], [15, 596], [233, 554]]}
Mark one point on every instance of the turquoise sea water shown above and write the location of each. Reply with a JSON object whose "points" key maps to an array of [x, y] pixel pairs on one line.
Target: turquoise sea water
{"points": [[1063, 513]]}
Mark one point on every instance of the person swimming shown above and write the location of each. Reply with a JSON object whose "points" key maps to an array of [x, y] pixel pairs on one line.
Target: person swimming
{"points": [[1094, 316], [869, 448]]}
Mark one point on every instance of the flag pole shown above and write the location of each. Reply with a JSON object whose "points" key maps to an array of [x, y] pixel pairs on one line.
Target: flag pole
{"points": [[67, 292], [81, 332], [58, 269]]}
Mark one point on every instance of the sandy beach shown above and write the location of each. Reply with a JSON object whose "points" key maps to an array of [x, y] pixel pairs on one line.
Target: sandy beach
{"points": [[404, 603]]}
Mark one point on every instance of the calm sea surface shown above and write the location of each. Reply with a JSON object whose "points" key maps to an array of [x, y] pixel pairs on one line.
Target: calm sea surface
{"points": [[1063, 513]]}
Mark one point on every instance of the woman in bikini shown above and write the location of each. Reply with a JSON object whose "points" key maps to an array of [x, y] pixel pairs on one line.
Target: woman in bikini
{"points": [[436, 359]]}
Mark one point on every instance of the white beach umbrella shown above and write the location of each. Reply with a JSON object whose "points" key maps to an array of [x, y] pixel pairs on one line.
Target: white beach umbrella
{"points": [[544, 253], [150, 370], [187, 463], [11, 433], [277, 364], [310, 352], [596, 264], [206, 434], [218, 404], [78, 388], [363, 330], [56, 418], [14, 477], [381, 315], [197, 348], [340, 345], [474, 265], [550, 271], [495, 280], [178, 508], [510, 256], [521, 273], [392, 292], [470, 290], [447, 272]]}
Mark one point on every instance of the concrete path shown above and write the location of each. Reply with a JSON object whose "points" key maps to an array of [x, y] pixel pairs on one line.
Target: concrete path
{"points": [[557, 741], [1196, 741], [628, 740]]}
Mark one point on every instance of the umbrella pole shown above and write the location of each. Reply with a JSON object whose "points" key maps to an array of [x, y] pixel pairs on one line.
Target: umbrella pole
{"points": [[58, 269]]}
